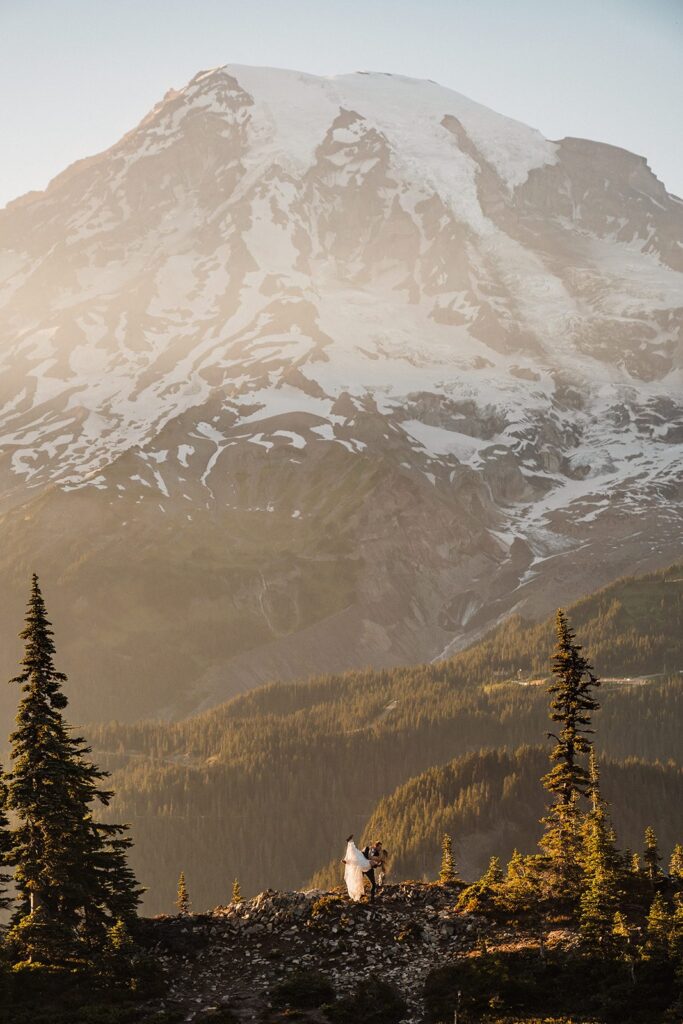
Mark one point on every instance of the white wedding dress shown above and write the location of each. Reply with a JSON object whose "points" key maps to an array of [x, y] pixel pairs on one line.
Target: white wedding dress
{"points": [[355, 864]]}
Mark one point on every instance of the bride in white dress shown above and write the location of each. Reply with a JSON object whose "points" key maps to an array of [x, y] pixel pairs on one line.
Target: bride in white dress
{"points": [[355, 864]]}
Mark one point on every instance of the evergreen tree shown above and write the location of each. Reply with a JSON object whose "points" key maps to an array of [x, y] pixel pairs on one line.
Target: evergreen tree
{"points": [[659, 928], [68, 872], [41, 938], [651, 857], [5, 846], [599, 851], [520, 894], [118, 938], [494, 873], [571, 706], [676, 864], [483, 895], [119, 952], [448, 873], [601, 864], [182, 900], [597, 904], [236, 892], [521, 886]]}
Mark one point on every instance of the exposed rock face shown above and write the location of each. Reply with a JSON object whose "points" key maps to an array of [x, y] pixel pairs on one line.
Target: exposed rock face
{"points": [[304, 374]]}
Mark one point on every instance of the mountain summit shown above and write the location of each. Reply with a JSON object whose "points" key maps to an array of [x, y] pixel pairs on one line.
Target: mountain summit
{"points": [[310, 373]]}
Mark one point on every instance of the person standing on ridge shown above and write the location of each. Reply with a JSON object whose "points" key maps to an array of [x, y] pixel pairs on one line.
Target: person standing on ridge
{"points": [[355, 867], [374, 855]]}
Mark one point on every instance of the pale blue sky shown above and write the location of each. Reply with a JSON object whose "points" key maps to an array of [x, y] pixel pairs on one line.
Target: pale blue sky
{"points": [[76, 74]]}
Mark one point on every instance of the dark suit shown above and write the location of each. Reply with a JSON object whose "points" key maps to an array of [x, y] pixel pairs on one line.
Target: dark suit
{"points": [[371, 851]]}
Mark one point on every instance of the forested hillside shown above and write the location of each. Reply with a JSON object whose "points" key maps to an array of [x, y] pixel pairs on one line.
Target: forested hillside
{"points": [[265, 786], [491, 802]]}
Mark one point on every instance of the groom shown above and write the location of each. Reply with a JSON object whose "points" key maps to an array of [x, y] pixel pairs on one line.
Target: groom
{"points": [[375, 855]]}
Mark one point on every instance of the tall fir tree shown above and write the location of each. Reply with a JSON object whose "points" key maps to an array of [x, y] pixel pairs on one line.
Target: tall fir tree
{"points": [[448, 873], [182, 900], [68, 871], [651, 857], [568, 780]]}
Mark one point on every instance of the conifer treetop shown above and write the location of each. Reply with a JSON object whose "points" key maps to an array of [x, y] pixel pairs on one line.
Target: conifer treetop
{"points": [[571, 706], [39, 649]]}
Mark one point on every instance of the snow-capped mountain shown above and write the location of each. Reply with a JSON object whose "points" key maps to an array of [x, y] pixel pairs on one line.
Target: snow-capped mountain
{"points": [[306, 373]]}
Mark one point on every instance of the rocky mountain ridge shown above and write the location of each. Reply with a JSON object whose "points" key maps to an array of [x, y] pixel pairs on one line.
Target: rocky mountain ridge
{"points": [[306, 374], [411, 956], [237, 957], [408, 958]]}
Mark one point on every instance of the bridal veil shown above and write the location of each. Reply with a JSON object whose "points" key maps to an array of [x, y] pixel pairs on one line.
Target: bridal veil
{"points": [[356, 864]]}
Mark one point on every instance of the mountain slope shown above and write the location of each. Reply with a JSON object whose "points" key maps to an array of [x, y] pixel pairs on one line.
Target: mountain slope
{"points": [[632, 627], [292, 766], [306, 374]]}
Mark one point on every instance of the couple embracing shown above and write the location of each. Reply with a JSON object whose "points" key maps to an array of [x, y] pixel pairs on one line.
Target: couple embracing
{"points": [[362, 864]]}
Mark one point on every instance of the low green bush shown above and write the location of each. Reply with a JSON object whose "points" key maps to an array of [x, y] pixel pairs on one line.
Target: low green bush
{"points": [[521, 986], [374, 1002], [303, 990]]}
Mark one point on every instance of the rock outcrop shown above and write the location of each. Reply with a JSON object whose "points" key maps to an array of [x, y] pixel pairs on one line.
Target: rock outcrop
{"points": [[235, 957]]}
